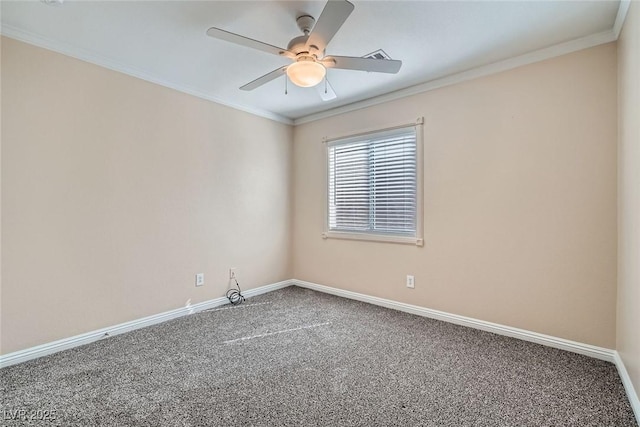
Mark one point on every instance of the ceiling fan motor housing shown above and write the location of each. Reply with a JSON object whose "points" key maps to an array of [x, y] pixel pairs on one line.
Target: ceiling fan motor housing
{"points": [[298, 45]]}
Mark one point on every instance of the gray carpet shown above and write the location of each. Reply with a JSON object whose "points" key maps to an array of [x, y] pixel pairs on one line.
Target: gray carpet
{"points": [[296, 357]]}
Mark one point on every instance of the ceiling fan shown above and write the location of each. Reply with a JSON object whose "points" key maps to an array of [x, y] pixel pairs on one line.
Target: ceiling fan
{"points": [[307, 52]]}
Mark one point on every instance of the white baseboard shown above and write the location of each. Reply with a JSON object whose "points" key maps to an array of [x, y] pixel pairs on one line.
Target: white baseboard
{"points": [[628, 386], [88, 337], [266, 288], [548, 340]]}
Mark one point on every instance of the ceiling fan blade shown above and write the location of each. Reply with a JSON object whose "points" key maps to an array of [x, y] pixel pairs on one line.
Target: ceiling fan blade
{"points": [[265, 79], [325, 91], [390, 66], [331, 19], [217, 33]]}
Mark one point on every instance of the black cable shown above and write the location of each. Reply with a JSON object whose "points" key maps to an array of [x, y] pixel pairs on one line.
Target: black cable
{"points": [[235, 295]]}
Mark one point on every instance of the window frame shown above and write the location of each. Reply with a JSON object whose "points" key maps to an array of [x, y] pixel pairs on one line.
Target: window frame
{"points": [[416, 240]]}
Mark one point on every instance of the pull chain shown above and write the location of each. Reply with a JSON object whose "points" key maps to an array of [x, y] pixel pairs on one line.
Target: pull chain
{"points": [[325, 83], [286, 80]]}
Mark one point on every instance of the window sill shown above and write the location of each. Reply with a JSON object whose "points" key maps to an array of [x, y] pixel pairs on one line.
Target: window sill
{"points": [[373, 237]]}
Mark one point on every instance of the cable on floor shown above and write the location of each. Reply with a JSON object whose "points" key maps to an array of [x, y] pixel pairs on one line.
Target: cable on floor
{"points": [[235, 295]]}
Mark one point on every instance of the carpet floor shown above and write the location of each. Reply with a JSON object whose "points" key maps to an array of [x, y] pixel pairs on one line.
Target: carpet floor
{"points": [[296, 357]]}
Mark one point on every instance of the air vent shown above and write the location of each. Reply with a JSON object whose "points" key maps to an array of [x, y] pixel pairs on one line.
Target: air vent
{"points": [[378, 54]]}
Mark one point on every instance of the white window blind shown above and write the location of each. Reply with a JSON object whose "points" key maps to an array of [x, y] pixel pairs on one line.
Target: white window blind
{"points": [[373, 183]]}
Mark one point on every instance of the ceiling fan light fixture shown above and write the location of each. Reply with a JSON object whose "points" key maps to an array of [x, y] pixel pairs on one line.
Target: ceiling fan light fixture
{"points": [[306, 72]]}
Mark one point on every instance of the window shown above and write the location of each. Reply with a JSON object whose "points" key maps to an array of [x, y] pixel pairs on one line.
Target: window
{"points": [[373, 186]]}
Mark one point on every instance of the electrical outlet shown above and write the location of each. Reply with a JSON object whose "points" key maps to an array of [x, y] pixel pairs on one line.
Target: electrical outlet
{"points": [[411, 282], [232, 273], [199, 279]]}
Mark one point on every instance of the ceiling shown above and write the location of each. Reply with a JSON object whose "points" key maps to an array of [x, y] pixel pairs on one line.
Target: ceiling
{"points": [[165, 42]]}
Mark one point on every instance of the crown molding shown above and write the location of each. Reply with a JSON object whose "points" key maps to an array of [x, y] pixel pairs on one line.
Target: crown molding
{"points": [[86, 56], [474, 73], [621, 16]]}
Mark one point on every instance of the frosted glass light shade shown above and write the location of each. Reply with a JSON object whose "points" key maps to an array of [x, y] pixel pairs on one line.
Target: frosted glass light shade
{"points": [[306, 73]]}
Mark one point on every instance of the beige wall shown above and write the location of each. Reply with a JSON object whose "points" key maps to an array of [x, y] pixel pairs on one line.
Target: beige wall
{"points": [[116, 192], [628, 333], [520, 201]]}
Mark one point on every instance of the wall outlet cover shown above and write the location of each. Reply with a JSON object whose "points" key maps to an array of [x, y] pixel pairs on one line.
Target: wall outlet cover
{"points": [[411, 282]]}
